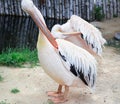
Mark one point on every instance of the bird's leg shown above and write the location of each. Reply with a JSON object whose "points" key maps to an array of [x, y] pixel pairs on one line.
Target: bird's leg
{"points": [[56, 93], [61, 99], [66, 91]]}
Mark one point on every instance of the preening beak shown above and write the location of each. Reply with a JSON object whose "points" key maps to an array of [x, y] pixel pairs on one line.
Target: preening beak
{"points": [[67, 35], [29, 7]]}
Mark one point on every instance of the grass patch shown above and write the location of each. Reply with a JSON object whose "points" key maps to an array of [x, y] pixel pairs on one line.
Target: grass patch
{"points": [[50, 102], [4, 102], [98, 13], [114, 43], [1, 78], [15, 90], [18, 57]]}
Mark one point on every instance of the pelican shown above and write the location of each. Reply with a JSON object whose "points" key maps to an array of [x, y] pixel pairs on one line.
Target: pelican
{"points": [[65, 62], [81, 33]]}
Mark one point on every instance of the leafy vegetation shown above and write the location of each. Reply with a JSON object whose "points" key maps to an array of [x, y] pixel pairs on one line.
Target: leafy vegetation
{"points": [[1, 78], [4, 102], [98, 13], [114, 43], [15, 90], [18, 57], [115, 15], [49, 102]]}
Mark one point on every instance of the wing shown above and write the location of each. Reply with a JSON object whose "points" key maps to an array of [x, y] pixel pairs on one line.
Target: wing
{"points": [[78, 61], [90, 33]]}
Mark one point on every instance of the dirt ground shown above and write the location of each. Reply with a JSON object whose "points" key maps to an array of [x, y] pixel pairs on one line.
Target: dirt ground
{"points": [[108, 27], [33, 82]]}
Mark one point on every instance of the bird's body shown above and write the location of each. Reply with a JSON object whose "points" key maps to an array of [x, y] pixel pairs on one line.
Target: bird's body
{"points": [[66, 63], [50, 61], [52, 65], [59, 68]]}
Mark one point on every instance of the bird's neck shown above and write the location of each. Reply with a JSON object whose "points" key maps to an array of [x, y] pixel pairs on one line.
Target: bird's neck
{"points": [[42, 41]]}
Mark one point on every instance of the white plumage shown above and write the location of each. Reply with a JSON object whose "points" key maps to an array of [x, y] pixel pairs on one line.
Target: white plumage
{"points": [[66, 63], [81, 60], [90, 34], [57, 63]]}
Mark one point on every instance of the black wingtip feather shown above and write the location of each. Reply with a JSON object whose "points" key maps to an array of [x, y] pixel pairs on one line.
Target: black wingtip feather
{"points": [[63, 57], [72, 69], [79, 73], [82, 77]]}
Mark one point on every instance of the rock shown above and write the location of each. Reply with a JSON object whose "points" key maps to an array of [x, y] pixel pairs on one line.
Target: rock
{"points": [[117, 36]]}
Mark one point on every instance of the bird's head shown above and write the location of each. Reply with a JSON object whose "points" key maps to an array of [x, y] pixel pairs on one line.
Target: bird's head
{"points": [[29, 7], [59, 33]]}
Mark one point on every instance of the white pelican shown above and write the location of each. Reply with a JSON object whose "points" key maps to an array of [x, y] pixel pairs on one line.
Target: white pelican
{"points": [[81, 33], [66, 63]]}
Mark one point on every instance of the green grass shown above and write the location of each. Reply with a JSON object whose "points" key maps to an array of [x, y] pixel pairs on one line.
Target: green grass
{"points": [[15, 90], [50, 102], [114, 43], [4, 102], [18, 57], [1, 78]]}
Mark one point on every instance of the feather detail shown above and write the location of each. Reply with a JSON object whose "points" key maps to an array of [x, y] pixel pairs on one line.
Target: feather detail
{"points": [[90, 33], [81, 63]]}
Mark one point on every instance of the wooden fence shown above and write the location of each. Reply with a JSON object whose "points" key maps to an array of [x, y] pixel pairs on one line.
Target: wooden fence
{"points": [[17, 32], [63, 9]]}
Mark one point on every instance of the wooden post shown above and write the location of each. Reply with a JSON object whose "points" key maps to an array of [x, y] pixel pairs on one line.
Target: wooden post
{"points": [[63, 9]]}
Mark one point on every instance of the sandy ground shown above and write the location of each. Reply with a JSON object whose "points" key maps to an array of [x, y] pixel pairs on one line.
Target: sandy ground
{"points": [[33, 82], [108, 27]]}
